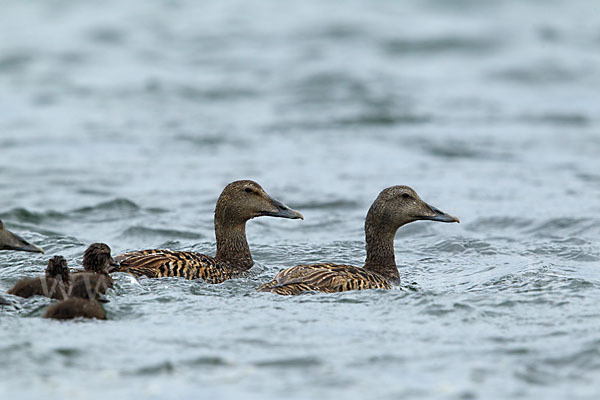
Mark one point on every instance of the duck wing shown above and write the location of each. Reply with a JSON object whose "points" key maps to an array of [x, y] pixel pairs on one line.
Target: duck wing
{"points": [[327, 277], [169, 263]]}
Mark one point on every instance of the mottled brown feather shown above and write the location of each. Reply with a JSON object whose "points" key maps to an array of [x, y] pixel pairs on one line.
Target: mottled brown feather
{"points": [[168, 263], [326, 277]]}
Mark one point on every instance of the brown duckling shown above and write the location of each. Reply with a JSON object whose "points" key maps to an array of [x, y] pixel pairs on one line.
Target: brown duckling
{"points": [[239, 202], [97, 262], [83, 301], [54, 284], [394, 207], [11, 241]]}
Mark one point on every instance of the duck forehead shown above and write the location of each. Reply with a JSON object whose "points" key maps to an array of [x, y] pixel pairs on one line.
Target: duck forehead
{"points": [[399, 190], [58, 260], [242, 184], [99, 248]]}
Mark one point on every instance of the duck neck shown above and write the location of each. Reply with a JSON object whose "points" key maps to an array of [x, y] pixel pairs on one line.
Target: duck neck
{"points": [[380, 248], [232, 246]]}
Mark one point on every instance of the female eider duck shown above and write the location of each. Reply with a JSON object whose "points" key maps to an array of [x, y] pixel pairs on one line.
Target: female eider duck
{"points": [[83, 302], [239, 202], [54, 284], [394, 207], [97, 262], [11, 241]]}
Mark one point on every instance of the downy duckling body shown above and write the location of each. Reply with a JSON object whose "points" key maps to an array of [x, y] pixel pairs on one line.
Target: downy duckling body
{"points": [[97, 262], [393, 208], [239, 202], [54, 284], [83, 302], [12, 241]]}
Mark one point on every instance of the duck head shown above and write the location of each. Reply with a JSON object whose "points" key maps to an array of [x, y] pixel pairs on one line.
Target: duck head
{"points": [[57, 269], [241, 201], [11, 241], [400, 205], [97, 258]]}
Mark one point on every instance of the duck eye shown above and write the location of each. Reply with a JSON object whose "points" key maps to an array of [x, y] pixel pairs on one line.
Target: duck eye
{"points": [[405, 196], [248, 190]]}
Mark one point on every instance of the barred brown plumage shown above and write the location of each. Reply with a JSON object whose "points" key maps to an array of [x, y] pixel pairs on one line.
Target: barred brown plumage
{"points": [[394, 207], [168, 263], [327, 277], [239, 202]]}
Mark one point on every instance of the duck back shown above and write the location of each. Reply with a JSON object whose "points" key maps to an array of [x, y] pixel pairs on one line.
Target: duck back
{"points": [[325, 277], [75, 308], [42, 286]]}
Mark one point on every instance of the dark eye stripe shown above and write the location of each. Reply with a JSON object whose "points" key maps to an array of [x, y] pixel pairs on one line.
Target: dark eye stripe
{"points": [[405, 195], [248, 190]]}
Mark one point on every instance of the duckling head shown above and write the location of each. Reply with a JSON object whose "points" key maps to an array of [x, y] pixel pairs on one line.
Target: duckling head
{"points": [[11, 241], [400, 205], [97, 258], [57, 268], [243, 200]]}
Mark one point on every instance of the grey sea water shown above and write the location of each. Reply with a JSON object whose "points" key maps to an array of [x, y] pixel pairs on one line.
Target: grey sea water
{"points": [[122, 121]]}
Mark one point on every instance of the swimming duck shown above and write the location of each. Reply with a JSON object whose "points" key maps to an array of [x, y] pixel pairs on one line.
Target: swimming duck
{"points": [[83, 301], [54, 284], [97, 262], [394, 207], [11, 241], [239, 202]]}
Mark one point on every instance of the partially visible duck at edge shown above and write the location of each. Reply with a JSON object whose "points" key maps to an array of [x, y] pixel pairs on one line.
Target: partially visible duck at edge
{"points": [[394, 207], [239, 202], [54, 284], [97, 262], [83, 302], [11, 241]]}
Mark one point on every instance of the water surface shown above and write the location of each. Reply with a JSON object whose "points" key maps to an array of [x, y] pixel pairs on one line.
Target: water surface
{"points": [[121, 122]]}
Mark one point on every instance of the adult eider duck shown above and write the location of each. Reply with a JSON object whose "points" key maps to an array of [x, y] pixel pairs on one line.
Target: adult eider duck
{"points": [[394, 207], [83, 302], [97, 262], [54, 284], [239, 202], [11, 241]]}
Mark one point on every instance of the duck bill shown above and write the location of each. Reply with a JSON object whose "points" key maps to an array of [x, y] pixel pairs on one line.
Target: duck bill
{"points": [[440, 216], [282, 211], [17, 243], [113, 265]]}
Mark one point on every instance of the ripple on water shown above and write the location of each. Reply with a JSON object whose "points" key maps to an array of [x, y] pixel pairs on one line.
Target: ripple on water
{"points": [[456, 245], [291, 362], [145, 233], [24, 215], [559, 118], [563, 226], [574, 249], [119, 204], [495, 224], [475, 45], [541, 74], [540, 280], [15, 61]]}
